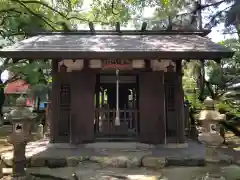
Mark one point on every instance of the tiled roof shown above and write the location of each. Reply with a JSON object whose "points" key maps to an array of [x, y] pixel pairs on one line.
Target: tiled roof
{"points": [[115, 43]]}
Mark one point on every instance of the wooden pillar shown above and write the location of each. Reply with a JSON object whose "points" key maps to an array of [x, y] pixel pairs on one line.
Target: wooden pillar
{"points": [[179, 103], [102, 98], [97, 92], [54, 101]]}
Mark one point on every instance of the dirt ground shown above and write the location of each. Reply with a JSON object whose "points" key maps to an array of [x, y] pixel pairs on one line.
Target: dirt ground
{"points": [[232, 148], [5, 131]]}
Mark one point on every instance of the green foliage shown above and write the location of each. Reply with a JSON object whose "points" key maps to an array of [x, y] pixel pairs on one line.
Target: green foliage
{"points": [[20, 18], [223, 107]]}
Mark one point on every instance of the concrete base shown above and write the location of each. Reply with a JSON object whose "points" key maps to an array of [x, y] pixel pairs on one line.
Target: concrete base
{"points": [[62, 146], [175, 146]]}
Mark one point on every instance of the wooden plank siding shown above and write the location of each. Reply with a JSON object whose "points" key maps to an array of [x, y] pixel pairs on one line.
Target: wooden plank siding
{"points": [[83, 89], [151, 107]]}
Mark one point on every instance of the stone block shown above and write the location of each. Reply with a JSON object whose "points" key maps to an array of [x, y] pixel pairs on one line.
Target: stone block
{"points": [[154, 162], [7, 171], [226, 160], [7, 158], [231, 172], [133, 162], [72, 161], [185, 161], [83, 158], [56, 162], [116, 162], [97, 159], [37, 162], [213, 177], [1, 172]]}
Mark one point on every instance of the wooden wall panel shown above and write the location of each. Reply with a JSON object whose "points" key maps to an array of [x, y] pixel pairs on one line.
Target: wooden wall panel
{"points": [[82, 115], [151, 106]]}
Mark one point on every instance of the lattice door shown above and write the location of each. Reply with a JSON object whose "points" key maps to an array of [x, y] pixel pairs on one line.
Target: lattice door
{"points": [[171, 122], [64, 110]]}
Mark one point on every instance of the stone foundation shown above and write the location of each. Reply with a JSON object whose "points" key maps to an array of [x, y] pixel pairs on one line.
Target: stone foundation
{"points": [[43, 154]]}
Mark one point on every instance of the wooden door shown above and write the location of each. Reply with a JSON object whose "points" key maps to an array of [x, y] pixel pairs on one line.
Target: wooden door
{"points": [[151, 107], [82, 115]]}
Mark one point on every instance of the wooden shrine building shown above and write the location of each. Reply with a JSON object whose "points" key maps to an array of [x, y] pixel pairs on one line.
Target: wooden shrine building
{"points": [[118, 85]]}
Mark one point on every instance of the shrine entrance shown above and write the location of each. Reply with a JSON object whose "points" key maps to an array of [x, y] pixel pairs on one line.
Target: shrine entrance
{"points": [[116, 105], [117, 84]]}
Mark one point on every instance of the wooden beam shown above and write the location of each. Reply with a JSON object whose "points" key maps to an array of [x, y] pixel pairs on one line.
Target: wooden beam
{"points": [[118, 27], [144, 26], [91, 26], [218, 61], [15, 60], [125, 32]]}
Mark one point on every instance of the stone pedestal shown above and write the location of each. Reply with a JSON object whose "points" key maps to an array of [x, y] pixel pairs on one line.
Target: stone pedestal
{"points": [[19, 159]]}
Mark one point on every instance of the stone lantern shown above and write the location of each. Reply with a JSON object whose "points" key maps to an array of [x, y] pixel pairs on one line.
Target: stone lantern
{"points": [[20, 118], [209, 120]]}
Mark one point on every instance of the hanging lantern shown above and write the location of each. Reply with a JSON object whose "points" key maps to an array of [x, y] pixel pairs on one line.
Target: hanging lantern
{"points": [[95, 64], [138, 64], [72, 64]]}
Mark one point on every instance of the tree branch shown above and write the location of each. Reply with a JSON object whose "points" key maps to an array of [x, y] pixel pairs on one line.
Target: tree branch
{"points": [[213, 18], [33, 13], [43, 4], [56, 11], [213, 4], [10, 10]]}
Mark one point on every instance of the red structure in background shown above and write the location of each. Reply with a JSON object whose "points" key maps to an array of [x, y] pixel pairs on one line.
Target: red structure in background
{"points": [[18, 87]]}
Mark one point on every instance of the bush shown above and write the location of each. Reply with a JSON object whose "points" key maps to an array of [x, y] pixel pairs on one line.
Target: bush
{"points": [[223, 108]]}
